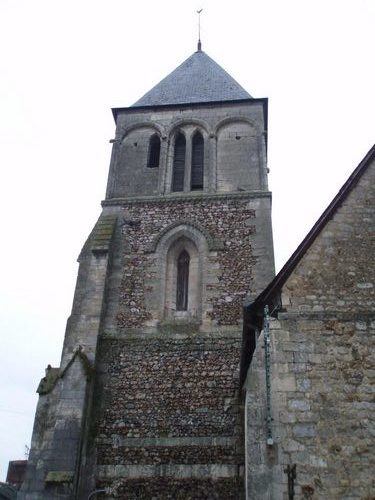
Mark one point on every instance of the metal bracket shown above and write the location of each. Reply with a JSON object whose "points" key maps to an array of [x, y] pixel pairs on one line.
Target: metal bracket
{"points": [[292, 475]]}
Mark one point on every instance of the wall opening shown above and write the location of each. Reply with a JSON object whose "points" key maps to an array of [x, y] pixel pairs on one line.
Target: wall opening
{"points": [[179, 163], [153, 152], [182, 294], [197, 162], [183, 280]]}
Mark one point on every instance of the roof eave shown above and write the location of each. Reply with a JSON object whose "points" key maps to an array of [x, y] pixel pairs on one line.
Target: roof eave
{"points": [[280, 279], [250, 100]]}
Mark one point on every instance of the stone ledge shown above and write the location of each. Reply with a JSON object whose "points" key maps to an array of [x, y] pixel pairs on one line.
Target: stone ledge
{"points": [[326, 315], [148, 442], [132, 336], [212, 471], [174, 197]]}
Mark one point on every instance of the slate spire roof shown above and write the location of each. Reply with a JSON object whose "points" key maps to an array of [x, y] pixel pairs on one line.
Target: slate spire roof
{"points": [[198, 79]]}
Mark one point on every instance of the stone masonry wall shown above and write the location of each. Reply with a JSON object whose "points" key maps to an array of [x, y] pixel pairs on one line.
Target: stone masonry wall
{"points": [[322, 409], [234, 144], [322, 352], [168, 416], [230, 222]]}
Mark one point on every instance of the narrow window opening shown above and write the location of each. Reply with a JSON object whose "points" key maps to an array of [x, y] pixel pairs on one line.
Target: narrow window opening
{"points": [[183, 262], [153, 152], [179, 163], [197, 162]]}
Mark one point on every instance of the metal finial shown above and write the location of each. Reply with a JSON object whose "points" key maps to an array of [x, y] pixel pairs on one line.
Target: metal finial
{"points": [[199, 30]]}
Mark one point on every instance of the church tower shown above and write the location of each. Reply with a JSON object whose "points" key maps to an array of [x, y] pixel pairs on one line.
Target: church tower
{"points": [[146, 402]]}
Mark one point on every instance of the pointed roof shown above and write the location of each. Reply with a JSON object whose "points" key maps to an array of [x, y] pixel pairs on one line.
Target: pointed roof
{"points": [[198, 79]]}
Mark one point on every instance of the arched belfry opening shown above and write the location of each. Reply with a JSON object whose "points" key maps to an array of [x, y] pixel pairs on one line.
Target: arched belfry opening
{"points": [[197, 162], [178, 176], [153, 158], [182, 286]]}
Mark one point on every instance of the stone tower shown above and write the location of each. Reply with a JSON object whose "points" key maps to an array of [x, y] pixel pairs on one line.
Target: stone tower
{"points": [[145, 403]]}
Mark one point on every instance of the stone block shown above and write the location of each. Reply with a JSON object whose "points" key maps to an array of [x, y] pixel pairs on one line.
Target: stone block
{"points": [[304, 430]]}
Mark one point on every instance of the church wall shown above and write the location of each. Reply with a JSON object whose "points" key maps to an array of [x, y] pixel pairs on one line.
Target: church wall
{"points": [[134, 173], [322, 359], [238, 146], [168, 415], [230, 226]]}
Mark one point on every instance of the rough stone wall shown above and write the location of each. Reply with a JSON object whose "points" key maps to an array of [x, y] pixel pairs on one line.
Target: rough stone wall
{"points": [[167, 420], [230, 222], [322, 365], [168, 416]]}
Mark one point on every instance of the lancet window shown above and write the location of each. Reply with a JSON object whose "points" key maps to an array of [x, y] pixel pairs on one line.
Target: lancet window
{"points": [[197, 162], [182, 288], [153, 152], [179, 163]]}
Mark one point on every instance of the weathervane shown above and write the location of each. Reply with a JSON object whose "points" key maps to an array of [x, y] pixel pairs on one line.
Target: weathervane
{"points": [[199, 29]]}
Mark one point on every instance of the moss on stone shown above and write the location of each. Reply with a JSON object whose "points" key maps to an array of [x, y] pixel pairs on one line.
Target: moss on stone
{"points": [[60, 477], [48, 382]]}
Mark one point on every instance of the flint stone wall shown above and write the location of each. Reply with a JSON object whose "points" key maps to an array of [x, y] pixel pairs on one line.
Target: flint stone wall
{"points": [[168, 416], [233, 268]]}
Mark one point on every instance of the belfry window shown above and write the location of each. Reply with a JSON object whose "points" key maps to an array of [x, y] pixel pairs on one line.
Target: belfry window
{"points": [[183, 262], [153, 152], [179, 163], [197, 162]]}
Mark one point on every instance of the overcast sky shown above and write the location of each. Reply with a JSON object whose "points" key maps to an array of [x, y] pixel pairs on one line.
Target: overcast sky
{"points": [[65, 63]]}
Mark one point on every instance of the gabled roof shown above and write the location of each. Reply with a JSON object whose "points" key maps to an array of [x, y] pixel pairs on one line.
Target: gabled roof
{"points": [[253, 313], [198, 79]]}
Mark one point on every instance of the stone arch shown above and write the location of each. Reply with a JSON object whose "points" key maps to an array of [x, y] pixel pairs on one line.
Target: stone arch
{"points": [[237, 155], [132, 173], [156, 127], [188, 127], [179, 238], [200, 125], [212, 243], [235, 119]]}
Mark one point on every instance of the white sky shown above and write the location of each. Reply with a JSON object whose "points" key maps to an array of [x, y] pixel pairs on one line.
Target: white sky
{"points": [[65, 63]]}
